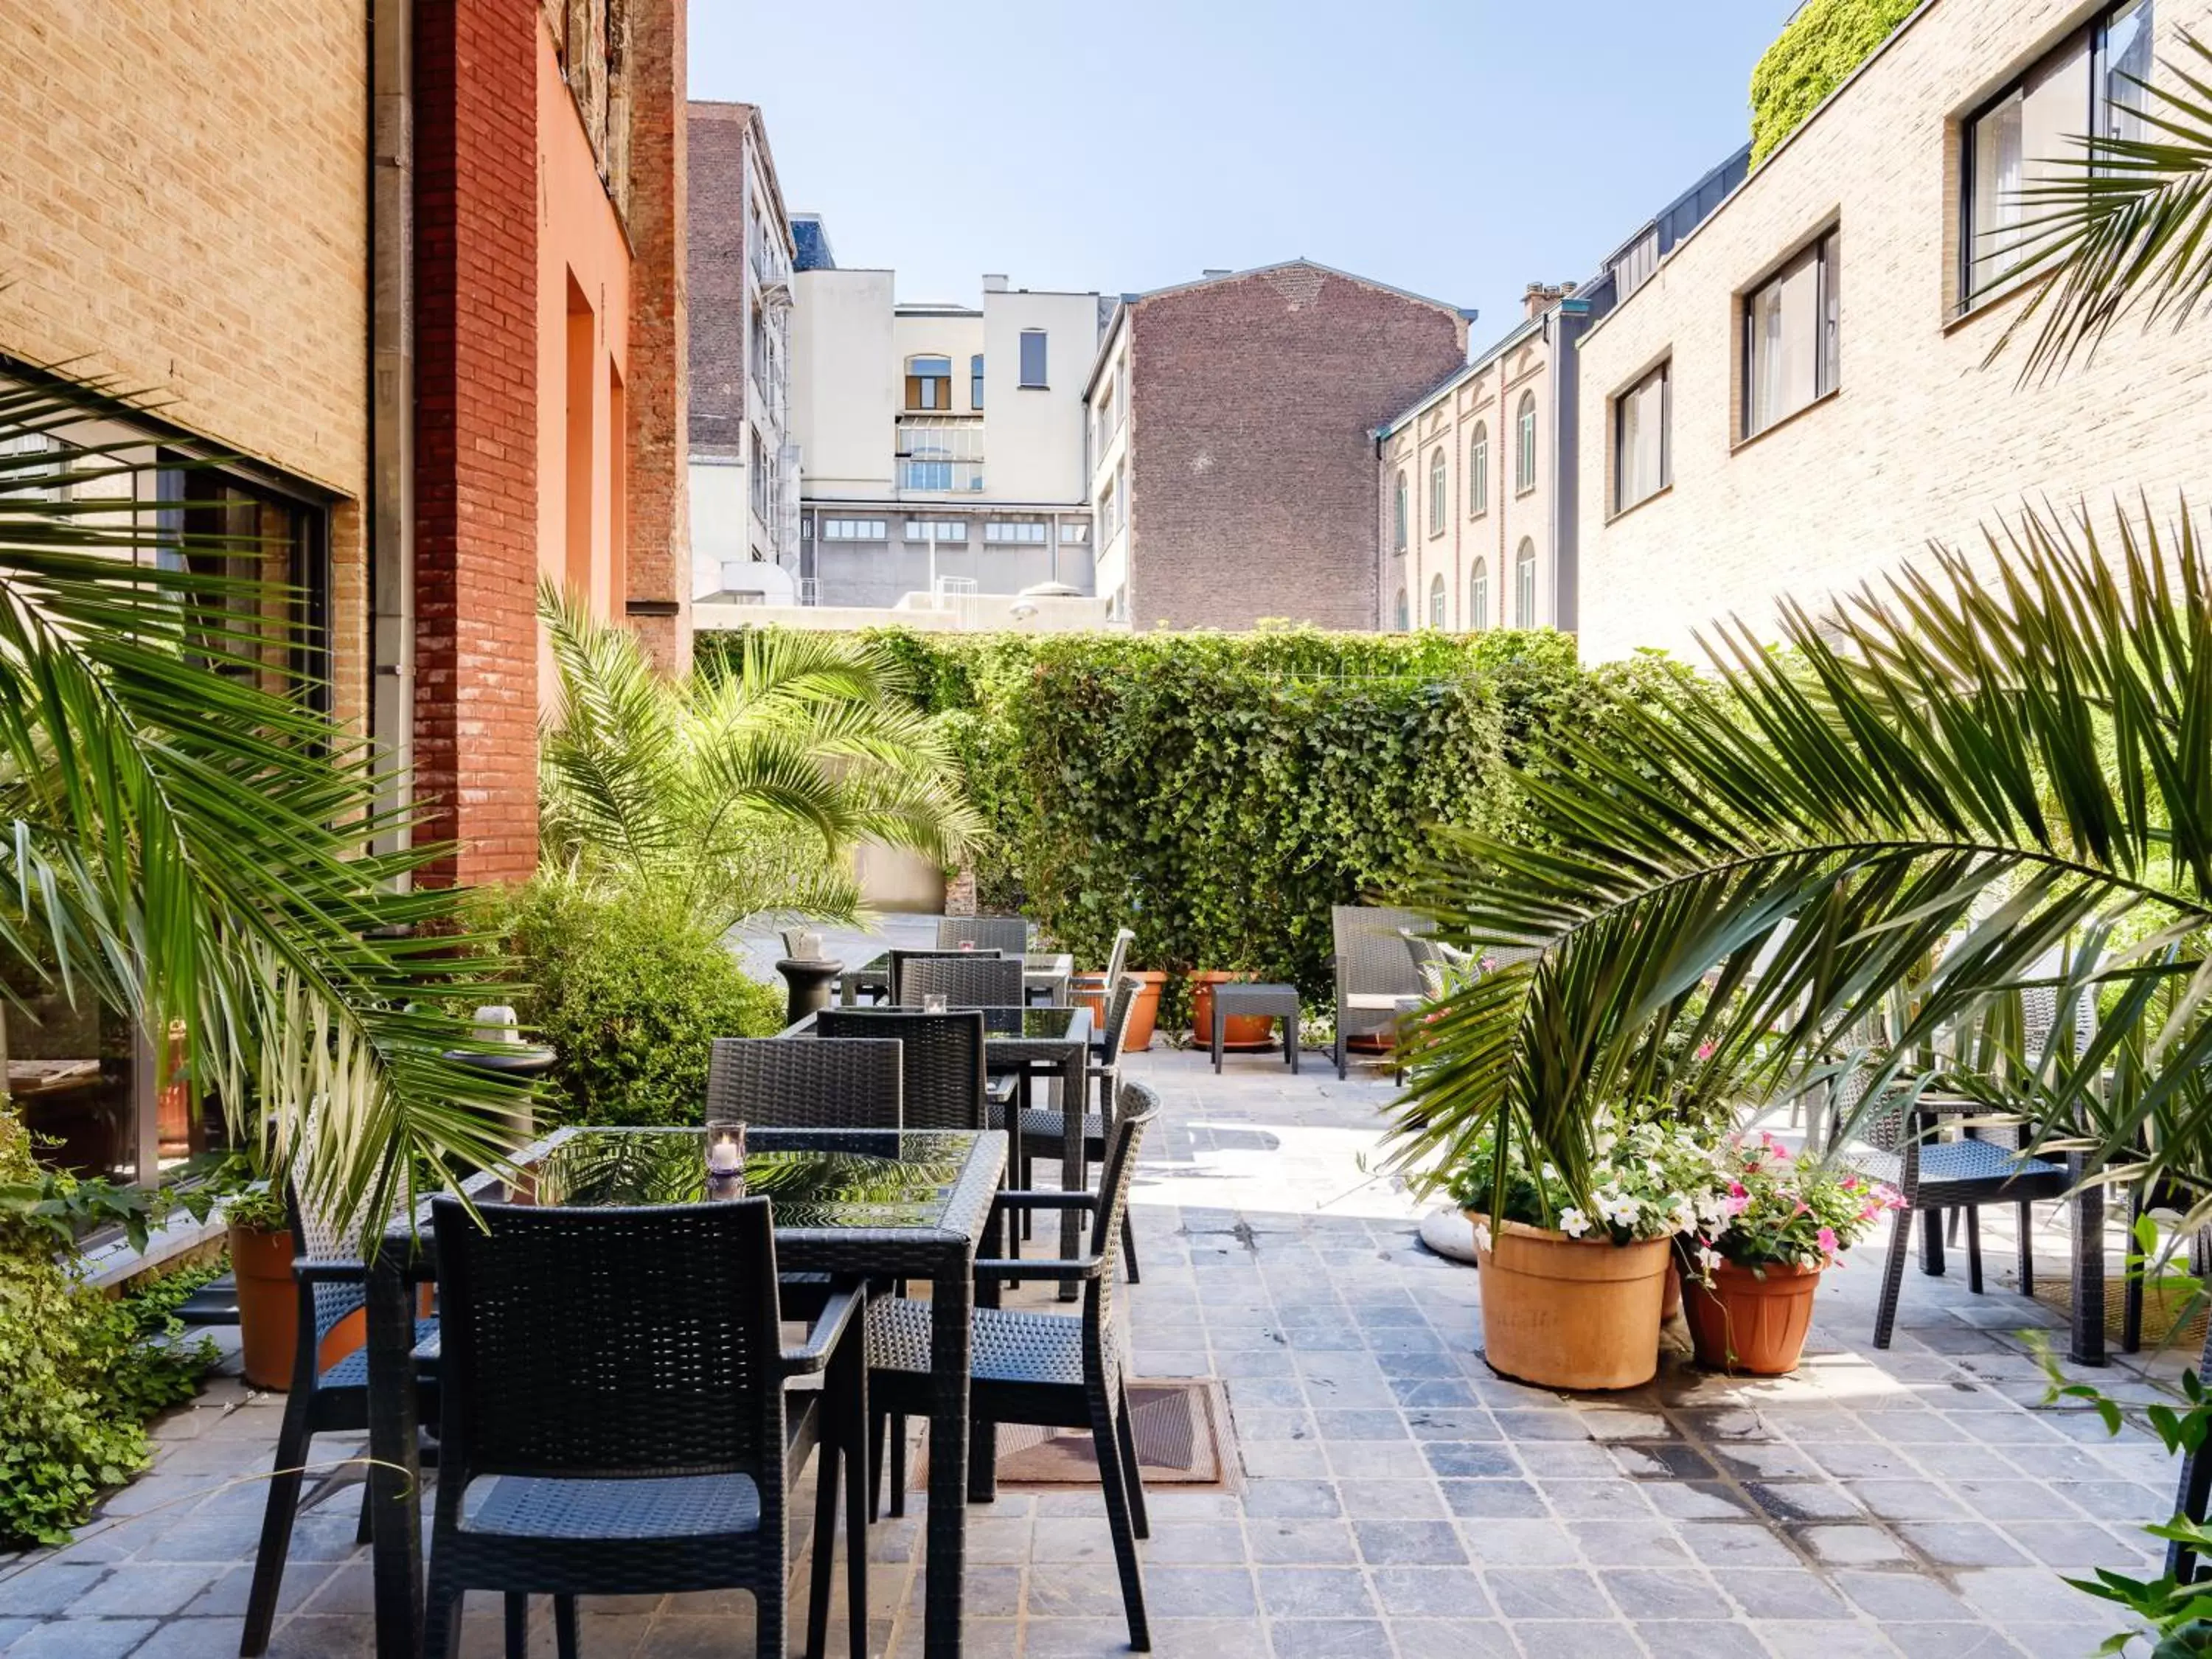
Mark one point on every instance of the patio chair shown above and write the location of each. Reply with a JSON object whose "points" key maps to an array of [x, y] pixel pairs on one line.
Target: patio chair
{"points": [[828, 1083], [1933, 1176], [900, 958], [1054, 1370], [1043, 1134], [1376, 974], [616, 1393], [1008, 935], [1099, 984], [943, 1082], [968, 979], [331, 1283]]}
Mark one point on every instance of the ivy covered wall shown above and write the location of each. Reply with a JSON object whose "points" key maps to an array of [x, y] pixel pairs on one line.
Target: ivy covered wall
{"points": [[1811, 58]]}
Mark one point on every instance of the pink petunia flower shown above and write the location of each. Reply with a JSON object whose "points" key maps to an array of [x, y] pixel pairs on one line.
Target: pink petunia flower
{"points": [[1827, 1241]]}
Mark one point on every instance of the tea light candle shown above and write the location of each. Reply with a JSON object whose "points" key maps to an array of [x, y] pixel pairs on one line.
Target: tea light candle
{"points": [[723, 1157], [933, 1002]]}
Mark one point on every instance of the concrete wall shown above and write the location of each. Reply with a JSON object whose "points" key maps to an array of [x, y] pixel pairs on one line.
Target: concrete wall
{"points": [[845, 389], [1919, 440], [1107, 417], [1033, 436]]}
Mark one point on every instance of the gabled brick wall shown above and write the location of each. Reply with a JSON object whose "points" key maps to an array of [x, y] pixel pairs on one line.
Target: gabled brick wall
{"points": [[475, 551], [1252, 477]]}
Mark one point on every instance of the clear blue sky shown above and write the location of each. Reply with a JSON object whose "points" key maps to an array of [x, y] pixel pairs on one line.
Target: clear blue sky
{"points": [[1459, 150]]}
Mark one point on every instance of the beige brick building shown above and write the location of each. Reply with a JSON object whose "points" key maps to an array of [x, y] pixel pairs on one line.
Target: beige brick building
{"points": [[1795, 401]]}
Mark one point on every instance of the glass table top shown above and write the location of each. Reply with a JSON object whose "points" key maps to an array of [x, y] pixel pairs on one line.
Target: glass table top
{"points": [[819, 1178], [1004, 1024], [1037, 964]]}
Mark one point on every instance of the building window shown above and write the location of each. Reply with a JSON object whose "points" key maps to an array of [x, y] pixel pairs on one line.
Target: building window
{"points": [[926, 467], [1033, 356], [1524, 585], [1439, 490], [1031, 531], [2086, 84], [1106, 522], [1478, 472], [1524, 442], [853, 530], [1398, 513], [1404, 622], [1437, 603], [937, 530], [975, 381], [756, 465], [1074, 533], [929, 383], [1478, 597], [1789, 346], [1641, 456]]}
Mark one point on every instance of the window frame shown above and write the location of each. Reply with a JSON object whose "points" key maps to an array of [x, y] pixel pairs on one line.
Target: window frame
{"points": [[1439, 602], [1524, 440], [1663, 372], [914, 383], [1439, 491], [1399, 507], [1403, 616], [975, 381], [1524, 584], [1478, 470], [1824, 248], [1043, 382], [1478, 596]]}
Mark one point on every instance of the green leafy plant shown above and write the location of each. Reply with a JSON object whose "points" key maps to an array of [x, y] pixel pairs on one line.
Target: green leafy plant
{"points": [[629, 991], [1816, 51], [1653, 1176], [1782, 1210]]}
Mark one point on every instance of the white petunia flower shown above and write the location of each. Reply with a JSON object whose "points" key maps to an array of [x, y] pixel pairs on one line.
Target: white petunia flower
{"points": [[1708, 1257], [1481, 1237], [1573, 1223]]}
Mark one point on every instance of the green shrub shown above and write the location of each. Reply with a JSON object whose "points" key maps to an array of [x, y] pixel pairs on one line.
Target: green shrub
{"points": [[80, 1373], [629, 995], [1811, 58]]}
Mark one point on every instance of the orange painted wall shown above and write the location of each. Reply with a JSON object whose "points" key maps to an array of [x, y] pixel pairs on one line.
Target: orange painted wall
{"points": [[583, 359]]}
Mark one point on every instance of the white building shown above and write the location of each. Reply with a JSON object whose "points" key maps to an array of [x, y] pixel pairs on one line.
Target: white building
{"points": [[941, 446]]}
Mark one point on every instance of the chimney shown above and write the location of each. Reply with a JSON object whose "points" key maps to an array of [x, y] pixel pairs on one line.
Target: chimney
{"points": [[995, 282], [1542, 296]]}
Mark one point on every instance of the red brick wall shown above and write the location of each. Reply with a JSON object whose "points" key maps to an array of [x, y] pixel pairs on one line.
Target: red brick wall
{"points": [[659, 385], [1252, 477], [475, 480]]}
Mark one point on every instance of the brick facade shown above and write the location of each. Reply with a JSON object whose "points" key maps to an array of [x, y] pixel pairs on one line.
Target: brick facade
{"points": [[718, 135], [1919, 440], [1252, 477], [476, 410]]}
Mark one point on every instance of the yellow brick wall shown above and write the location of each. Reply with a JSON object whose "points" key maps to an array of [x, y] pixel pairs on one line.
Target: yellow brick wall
{"points": [[183, 209], [1920, 442]]}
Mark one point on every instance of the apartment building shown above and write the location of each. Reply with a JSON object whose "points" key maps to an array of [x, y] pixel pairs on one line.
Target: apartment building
{"points": [[427, 322], [1478, 510], [744, 462], [1232, 474], [940, 445], [1797, 399]]}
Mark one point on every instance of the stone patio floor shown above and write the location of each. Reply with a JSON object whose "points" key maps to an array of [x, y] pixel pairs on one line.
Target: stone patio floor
{"points": [[1391, 1496]]}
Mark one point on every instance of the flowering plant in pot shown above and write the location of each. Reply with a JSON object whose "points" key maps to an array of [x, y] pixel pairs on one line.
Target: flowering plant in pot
{"points": [[1574, 1280], [1750, 1276]]}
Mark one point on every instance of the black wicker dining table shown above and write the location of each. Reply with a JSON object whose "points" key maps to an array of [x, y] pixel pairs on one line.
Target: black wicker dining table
{"points": [[879, 1203], [1020, 1040], [1045, 974]]}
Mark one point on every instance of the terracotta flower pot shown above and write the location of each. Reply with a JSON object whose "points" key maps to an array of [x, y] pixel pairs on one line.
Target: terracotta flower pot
{"points": [[1570, 1313], [1246, 1032], [1745, 1322], [1143, 1010], [268, 1309], [1673, 1303]]}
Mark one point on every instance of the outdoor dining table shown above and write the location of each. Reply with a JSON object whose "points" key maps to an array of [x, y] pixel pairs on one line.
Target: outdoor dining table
{"points": [[883, 1203], [1046, 973], [1017, 1041]]}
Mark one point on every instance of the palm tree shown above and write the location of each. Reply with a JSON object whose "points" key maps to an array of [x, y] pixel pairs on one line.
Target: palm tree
{"points": [[183, 839], [739, 793], [1945, 780], [2120, 225]]}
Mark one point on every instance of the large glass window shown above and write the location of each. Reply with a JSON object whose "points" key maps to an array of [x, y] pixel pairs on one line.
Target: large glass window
{"points": [[1524, 585], [1437, 603], [2023, 136], [1439, 490], [975, 381], [1403, 620], [1791, 355], [1398, 513], [1524, 444], [1478, 597], [1640, 457], [1478, 472], [1033, 343], [929, 383]]}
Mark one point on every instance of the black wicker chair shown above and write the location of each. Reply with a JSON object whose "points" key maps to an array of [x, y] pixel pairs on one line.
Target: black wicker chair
{"points": [[332, 1282], [941, 1060], [1009, 935], [967, 979], [1059, 1370], [1043, 1133], [616, 1386], [842, 1082], [1376, 974], [900, 958]]}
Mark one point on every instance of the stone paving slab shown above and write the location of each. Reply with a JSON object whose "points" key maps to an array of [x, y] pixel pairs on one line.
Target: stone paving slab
{"points": [[1392, 1497]]}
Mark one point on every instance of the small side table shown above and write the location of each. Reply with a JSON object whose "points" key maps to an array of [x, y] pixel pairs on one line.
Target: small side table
{"points": [[1263, 1002], [517, 1059], [809, 979]]}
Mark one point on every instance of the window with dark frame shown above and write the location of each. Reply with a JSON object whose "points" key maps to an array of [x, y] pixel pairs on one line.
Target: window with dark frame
{"points": [[1642, 449], [975, 381], [1033, 356], [2084, 84], [929, 383], [1791, 349]]}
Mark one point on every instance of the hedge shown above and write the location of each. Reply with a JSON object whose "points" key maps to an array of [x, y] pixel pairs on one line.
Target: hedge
{"points": [[1811, 58], [1219, 792]]}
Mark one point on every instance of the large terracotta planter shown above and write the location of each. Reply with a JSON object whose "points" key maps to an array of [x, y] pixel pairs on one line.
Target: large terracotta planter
{"points": [[1570, 1313], [268, 1309], [1246, 1032], [1143, 1010], [1745, 1322]]}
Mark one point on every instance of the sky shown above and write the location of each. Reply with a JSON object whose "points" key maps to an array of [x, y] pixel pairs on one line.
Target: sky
{"points": [[1462, 150]]}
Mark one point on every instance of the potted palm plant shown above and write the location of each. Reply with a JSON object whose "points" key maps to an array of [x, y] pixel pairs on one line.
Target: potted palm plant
{"points": [[1749, 1277]]}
